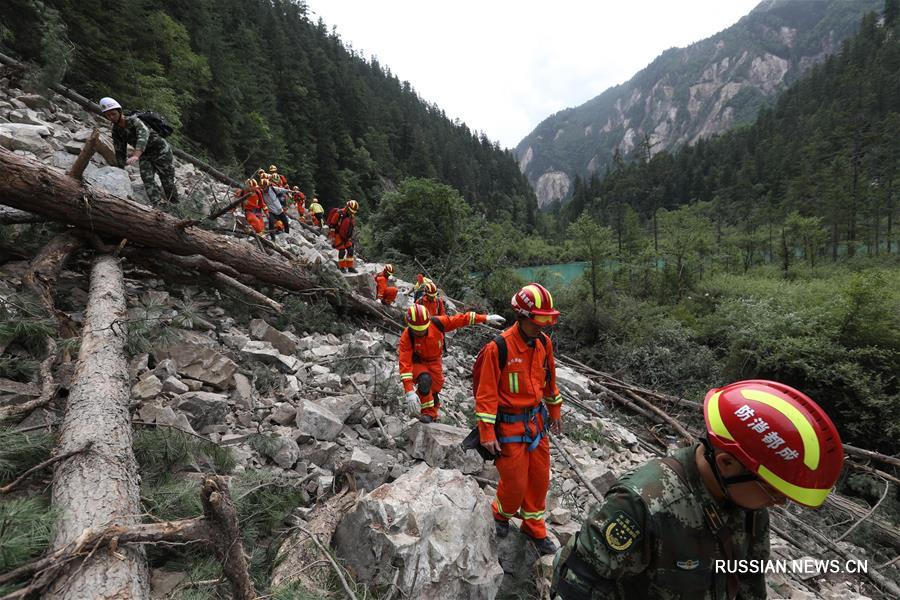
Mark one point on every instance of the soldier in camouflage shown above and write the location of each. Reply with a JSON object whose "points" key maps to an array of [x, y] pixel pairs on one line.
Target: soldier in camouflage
{"points": [[662, 528], [151, 149]]}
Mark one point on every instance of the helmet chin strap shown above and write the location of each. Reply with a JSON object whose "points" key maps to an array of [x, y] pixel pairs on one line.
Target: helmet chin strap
{"points": [[709, 453]]}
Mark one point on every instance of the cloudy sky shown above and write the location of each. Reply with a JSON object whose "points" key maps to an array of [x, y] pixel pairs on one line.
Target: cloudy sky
{"points": [[502, 66]]}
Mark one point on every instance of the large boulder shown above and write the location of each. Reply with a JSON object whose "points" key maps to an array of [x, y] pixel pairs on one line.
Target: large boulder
{"points": [[111, 180], [318, 422], [435, 526], [266, 353], [19, 136], [195, 359], [439, 445]]}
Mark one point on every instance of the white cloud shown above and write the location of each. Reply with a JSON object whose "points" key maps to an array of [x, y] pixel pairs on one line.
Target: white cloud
{"points": [[503, 66]]}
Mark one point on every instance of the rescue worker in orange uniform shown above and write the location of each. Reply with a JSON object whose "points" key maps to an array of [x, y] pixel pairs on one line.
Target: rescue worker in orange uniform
{"points": [[420, 353], [255, 211], [515, 404], [343, 237], [431, 300], [384, 292], [299, 199], [316, 213]]}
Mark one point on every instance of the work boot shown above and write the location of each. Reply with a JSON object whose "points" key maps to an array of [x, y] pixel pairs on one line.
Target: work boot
{"points": [[544, 545], [426, 418], [352, 270], [501, 528]]}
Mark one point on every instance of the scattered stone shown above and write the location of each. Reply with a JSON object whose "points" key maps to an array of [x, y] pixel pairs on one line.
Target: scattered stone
{"points": [[559, 516], [199, 362], [244, 394], [112, 180], [267, 354], [147, 388], [34, 101], [284, 413], [18, 136], [163, 583], [318, 422], [287, 454], [173, 385], [260, 330], [204, 409]]}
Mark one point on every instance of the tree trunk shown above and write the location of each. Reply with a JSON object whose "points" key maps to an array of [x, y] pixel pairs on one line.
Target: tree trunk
{"points": [[28, 183], [44, 271], [99, 488]]}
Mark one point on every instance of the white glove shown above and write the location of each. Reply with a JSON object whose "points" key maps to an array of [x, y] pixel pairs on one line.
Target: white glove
{"points": [[412, 403], [495, 320]]}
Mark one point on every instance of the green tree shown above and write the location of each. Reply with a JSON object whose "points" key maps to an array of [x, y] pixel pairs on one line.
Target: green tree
{"points": [[594, 244], [687, 234]]}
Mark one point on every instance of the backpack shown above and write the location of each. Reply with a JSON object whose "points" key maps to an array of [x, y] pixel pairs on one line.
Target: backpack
{"points": [[502, 353], [333, 219], [154, 121]]}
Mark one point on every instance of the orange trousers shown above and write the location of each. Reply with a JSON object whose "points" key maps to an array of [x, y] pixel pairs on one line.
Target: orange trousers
{"points": [[390, 294], [255, 220], [524, 480], [429, 378]]}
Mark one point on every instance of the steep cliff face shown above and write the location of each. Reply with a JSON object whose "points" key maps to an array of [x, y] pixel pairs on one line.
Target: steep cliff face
{"points": [[689, 93]]}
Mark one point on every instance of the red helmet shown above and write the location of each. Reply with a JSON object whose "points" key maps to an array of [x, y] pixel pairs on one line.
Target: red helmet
{"points": [[389, 269], [420, 278], [417, 317], [535, 303], [352, 206], [779, 434], [430, 288]]}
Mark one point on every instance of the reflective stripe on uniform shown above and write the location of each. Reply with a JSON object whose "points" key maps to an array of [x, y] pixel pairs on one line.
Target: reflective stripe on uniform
{"points": [[514, 383], [500, 508], [533, 516], [554, 400], [486, 417], [427, 404], [406, 375], [471, 318]]}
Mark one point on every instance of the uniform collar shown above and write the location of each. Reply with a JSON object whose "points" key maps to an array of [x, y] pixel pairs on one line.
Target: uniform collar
{"points": [[523, 340]]}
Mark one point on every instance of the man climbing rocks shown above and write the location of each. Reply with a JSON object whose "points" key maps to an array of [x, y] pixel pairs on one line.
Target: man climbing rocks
{"points": [[343, 237], [420, 354], [255, 211], [384, 292], [151, 151], [516, 401], [431, 300], [276, 208], [662, 527], [316, 211], [299, 200], [419, 287]]}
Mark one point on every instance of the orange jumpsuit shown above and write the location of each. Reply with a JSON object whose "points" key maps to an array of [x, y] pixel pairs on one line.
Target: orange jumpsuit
{"points": [[423, 356], [435, 307], [511, 401], [343, 240], [255, 209], [384, 292]]}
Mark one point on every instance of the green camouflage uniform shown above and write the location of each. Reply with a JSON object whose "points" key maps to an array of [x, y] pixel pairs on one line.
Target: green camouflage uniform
{"points": [[651, 540], [156, 157]]}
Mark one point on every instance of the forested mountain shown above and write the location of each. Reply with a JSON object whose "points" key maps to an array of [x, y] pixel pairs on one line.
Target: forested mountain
{"points": [[820, 169], [689, 93], [254, 82]]}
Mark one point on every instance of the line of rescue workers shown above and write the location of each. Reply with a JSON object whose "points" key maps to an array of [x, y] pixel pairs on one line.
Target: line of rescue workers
{"points": [[661, 527]]}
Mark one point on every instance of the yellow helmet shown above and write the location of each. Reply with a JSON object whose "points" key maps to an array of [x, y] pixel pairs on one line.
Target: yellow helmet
{"points": [[273, 169], [252, 183], [352, 206]]}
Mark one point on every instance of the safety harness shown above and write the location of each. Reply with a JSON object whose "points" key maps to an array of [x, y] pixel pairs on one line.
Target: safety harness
{"points": [[529, 417]]}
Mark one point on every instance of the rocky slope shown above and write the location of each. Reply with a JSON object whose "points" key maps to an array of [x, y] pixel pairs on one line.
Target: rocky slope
{"points": [[400, 503], [688, 93]]}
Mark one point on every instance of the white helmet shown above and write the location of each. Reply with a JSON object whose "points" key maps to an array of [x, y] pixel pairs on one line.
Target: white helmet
{"points": [[107, 104]]}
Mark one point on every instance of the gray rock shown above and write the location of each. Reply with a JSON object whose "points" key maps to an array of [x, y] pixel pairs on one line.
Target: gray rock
{"points": [[321, 454], [435, 526], [318, 422], [198, 362], [359, 461], [601, 477], [34, 101], [166, 368], [288, 454], [361, 282], [244, 394], [323, 351], [111, 180], [284, 414], [166, 416], [27, 117], [267, 354], [173, 385], [204, 409], [260, 330], [559, 516], [17, 136], [147, 388], [439, 446], [163, 583]]}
